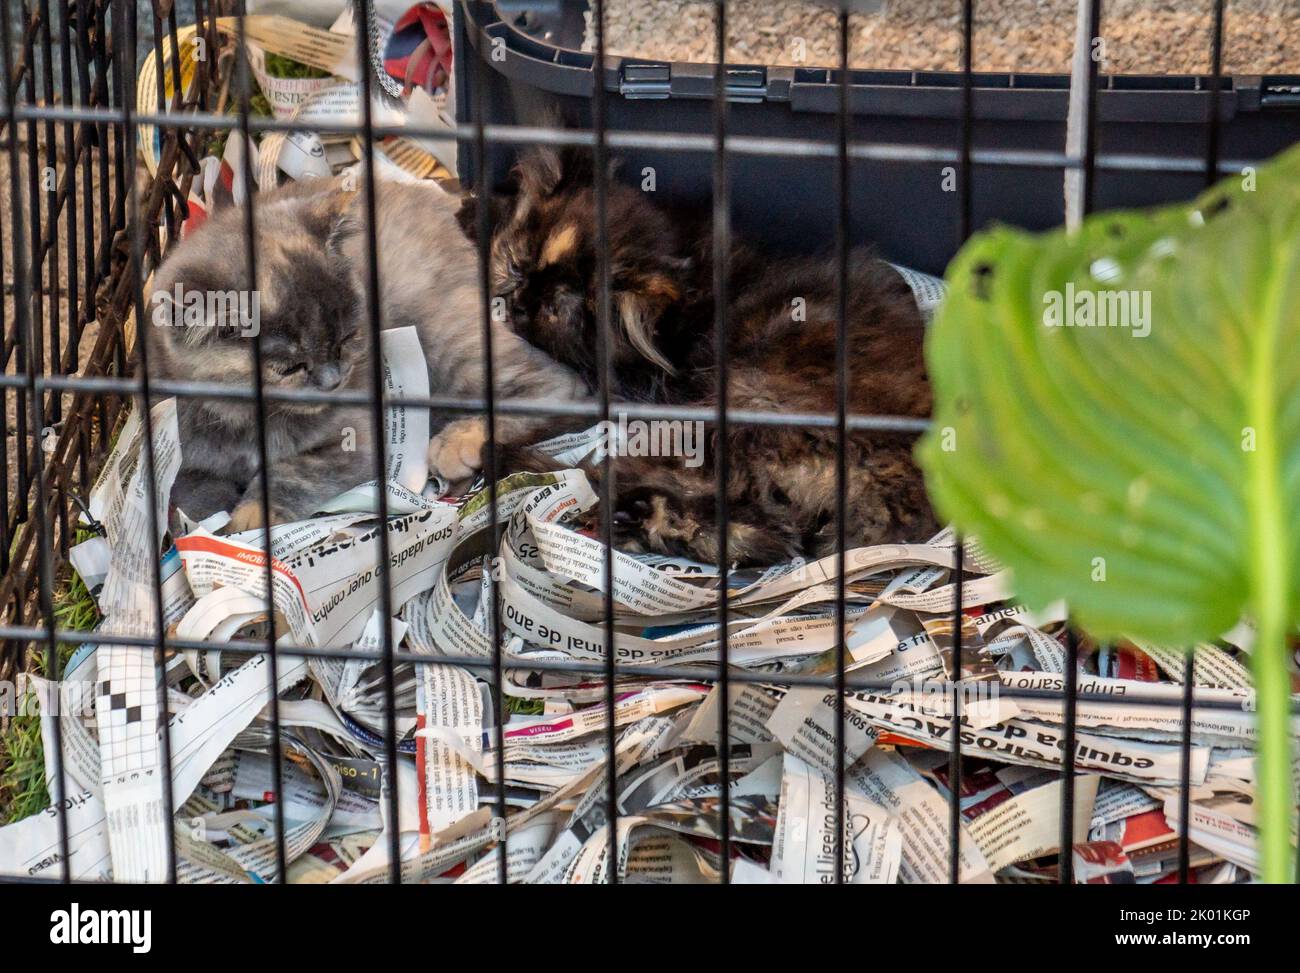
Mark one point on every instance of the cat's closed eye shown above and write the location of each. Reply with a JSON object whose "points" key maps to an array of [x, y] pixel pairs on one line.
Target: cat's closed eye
{"points": [[291, 369]]}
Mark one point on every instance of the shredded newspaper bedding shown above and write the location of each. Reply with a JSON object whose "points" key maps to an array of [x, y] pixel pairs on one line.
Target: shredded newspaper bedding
{"points": [[546, 575]]}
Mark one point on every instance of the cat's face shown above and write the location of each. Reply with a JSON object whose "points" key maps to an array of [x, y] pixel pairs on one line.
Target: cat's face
{"points": [[543, 264], [306, 308]]}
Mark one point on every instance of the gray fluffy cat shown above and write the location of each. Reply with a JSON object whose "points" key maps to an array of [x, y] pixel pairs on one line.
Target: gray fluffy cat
{"points": [[311, 311]]}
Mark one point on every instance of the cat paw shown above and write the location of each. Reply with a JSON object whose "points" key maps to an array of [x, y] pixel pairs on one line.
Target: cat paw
{"points": [[248, 516], [456, 452]]}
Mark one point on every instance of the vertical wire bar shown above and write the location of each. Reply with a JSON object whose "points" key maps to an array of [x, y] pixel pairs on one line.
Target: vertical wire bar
{"points": [[1066, 862], [52, 226], [33, 341], [95, 93], [1212, 112], [263, 464], [954, 756], [189, 138], [964, 220], [70, 219], [608, 489], [1185, 769], [378, 403], [122, 163], [160, 96], [70, 143], [93, 148], [106, 87], [126, 55], [22, 285], [1189, 663], [178, 88], [483, 215], [721, 260], [204, 75], [841, 422], [600, 167], [85, 93], [112, 189], [5, 542], [1090, 111], [18, 507]]}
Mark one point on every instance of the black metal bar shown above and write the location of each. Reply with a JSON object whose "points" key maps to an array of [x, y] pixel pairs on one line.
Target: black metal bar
{"points": [[1185, 768], [32, 342], [23, 322], [965, 209], [52, 223], [1189, 664], [112, 215], [70, 150], [242, 80], [721, 297], [1090, 110], [966, 206], [1212, 122], [81, 45], [842, 176], [148, 467], [379, 403], [954, 756], [1088, 188], [604, 364], [483, 214], [1068, 757], [160, 97]]}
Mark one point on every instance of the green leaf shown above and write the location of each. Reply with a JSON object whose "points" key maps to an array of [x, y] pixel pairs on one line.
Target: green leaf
{"points": [[1147, 472]]}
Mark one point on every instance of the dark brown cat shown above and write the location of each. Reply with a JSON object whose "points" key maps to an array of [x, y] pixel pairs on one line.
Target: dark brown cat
{"points": [[781, 343]]}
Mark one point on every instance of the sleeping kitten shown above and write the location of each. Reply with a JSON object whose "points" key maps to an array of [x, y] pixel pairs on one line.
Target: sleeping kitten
{"points": [[781, 351], [310, 308]]}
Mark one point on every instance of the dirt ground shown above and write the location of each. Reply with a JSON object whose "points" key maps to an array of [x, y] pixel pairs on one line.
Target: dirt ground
{"points": [[1141, 36]]}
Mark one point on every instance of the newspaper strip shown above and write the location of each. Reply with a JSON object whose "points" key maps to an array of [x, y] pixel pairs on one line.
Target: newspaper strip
{"points": [[922, 816], [127, 710], [1027, 825], [452, 704], [805, 845]]}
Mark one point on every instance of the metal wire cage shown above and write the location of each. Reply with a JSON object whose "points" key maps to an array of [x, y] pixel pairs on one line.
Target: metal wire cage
{"points": [[81, 244]]}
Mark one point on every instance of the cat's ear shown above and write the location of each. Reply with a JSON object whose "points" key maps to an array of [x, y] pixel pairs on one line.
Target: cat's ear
{"points": [[331, 217], [539, 171], [467, 214], [639, 310]]}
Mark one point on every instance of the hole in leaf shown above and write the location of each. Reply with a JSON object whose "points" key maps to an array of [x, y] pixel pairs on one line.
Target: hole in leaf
{"points": [[980, 279], [1216, 207]]}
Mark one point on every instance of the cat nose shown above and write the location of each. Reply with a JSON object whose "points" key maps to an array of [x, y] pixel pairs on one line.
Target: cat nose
{"points": [[326, 378]]}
